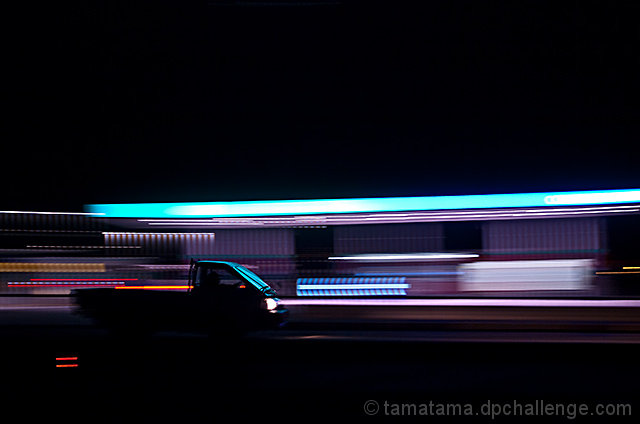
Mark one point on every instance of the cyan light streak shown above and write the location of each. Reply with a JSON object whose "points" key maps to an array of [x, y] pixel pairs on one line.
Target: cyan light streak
{"points": [[383, 204]]}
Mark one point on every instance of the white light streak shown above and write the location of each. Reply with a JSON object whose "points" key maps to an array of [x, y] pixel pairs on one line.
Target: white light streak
{"points": [[54, 213], [405, 256], [123, 233], [553, 303]]}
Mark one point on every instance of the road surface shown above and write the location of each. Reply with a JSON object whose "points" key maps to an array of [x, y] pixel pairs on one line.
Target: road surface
{"points": [[314, 369]]}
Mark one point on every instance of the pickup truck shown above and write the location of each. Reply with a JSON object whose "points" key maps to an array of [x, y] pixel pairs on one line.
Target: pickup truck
{"points": [[222, 298]]}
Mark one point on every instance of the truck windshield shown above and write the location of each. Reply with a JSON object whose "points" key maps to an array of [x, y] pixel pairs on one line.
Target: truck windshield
{"points": [[253, 277]]}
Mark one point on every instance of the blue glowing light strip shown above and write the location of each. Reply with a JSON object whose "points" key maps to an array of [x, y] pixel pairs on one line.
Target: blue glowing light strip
{"points": [[382, 204], [380, 286], [350, 292], [351, 286]]}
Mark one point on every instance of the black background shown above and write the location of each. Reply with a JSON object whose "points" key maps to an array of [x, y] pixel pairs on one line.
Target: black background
{"points": [[204, 101]]}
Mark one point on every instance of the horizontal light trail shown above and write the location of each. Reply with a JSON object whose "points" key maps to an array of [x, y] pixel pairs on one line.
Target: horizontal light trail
{"points": [[359, 205], [65, 284], [406, 274], [378, 292], [71, 282], [205, 224], [53, 213], [413, 216], [531, 264], [530, 303], [145, 234], [405, 256], [348, 286], [380, 286], [83, 279], [183, 287], [51, 267], [31, 246]]}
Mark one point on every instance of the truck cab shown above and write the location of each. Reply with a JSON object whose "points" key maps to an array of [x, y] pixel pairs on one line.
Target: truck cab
{"points": [[236, 293]]}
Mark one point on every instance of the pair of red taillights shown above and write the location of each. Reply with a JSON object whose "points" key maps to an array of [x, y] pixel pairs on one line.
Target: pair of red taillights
{"points": [[67, 362]]}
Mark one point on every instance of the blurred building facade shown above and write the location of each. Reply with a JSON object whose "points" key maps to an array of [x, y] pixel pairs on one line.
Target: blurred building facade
{"points": [[433, 253]]}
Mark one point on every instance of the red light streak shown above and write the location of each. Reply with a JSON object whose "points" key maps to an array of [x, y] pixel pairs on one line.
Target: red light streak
{"points": [[83, 279], [67, 358], [152, 287], [61, 285]]}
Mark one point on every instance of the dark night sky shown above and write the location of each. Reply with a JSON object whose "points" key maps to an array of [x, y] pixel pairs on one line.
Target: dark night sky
{"points": [[193, 101]]}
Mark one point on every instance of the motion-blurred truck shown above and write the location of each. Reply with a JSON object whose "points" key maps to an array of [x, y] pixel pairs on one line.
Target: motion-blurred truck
{"points": [[222, 298]]}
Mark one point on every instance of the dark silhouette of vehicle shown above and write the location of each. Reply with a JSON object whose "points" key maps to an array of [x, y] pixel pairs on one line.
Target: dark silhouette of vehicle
{"points": [[223, 298]]}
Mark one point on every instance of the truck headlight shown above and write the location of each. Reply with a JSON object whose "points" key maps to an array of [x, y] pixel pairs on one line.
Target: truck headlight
{"points": [[271, 303]]}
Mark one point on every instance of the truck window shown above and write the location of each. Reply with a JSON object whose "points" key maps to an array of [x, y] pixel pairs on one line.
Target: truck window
{"points": [[210, 278], [206, 277], [228, 279], [252, 276]]}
